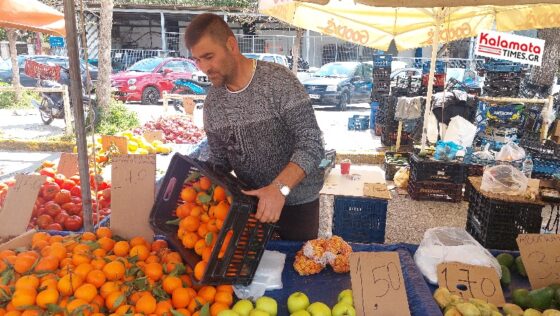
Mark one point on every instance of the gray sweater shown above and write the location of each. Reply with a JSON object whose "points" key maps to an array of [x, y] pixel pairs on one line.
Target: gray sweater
{"points": [[258, 131]]}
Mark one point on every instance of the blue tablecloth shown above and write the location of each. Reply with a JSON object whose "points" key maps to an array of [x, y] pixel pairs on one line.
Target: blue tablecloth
{"points": [[325, 286]]}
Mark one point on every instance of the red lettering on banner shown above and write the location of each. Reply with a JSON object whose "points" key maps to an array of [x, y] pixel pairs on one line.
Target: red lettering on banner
{"points": [[485, 39], [448, 34], [345, 32]]}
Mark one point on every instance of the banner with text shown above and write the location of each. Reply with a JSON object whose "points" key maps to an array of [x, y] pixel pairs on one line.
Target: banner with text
{"points": [[521, 49]]}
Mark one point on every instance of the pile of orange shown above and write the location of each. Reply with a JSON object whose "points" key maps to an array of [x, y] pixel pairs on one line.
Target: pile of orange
{"points": [[94, 274], [202, 210]]}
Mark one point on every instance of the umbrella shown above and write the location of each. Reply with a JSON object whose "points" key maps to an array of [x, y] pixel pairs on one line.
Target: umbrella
{"points": [[31, 15], [411, 27]]}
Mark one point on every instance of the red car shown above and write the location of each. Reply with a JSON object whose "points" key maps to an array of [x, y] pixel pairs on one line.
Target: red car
{"points": [[147, 79]]}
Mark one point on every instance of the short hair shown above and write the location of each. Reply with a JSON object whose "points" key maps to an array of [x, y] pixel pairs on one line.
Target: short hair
{"points": [[207, 24]]}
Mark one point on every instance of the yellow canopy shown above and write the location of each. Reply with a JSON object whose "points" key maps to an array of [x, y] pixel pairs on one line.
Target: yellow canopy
{"points": [[31, 15]]}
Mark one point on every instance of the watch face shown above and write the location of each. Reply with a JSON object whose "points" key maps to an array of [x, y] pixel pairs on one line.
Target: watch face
{"points": [[285, 190]]}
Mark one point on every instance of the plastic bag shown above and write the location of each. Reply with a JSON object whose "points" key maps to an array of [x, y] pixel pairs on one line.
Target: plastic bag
{"points": [[504, 179], [401, 177], [511, 152], [267, 277], [446, 150], [460, 131], [485, 154], [447, 244]]}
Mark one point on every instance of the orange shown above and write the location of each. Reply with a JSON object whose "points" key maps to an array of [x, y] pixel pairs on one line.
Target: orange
{"points": [[153, 271], [81, 249], [23, 263], [159, 244], [98, 301], [141, 251], [57, 250], [106, 243], [89, 236], [199, 270], [206, 254], [121, 248], [225, 288], [191, 223], [104, 232], [69, 283], [217, 307], [207, 292], [114, 270], [83, 269], [196, 211], [75, 304], [212, 225], [23, 297], [87, 292], [48, 296], [30, 282], [196, 304], [204, 183], [163, 307], [40, 244], [219, 223], [135, 241], [202, 230], [224, 297], [188, 194], [31, 312], [199, 246], [49, 284], [183, 311], [221, 210], [13, 313], [219, 194], [170, 283], [125, 310], [152, 258], [108, 288], [96, 277], [180, 297], [189, 240], [98, 263], [204, 217], [79, 258], [114, 300], [99, 253], [136, 296], [201, 197], [146, 304], [183, 210]]}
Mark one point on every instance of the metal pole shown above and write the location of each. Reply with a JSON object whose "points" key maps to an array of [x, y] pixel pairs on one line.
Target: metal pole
{"points": [[307, 47], [163, 37], [76, 96], [253, 39]]}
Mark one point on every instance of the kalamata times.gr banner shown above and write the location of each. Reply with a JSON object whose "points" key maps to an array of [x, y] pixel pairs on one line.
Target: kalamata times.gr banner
{"points": [[521, 49]]}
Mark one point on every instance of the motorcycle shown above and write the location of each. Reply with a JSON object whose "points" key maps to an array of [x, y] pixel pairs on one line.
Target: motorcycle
{"points": [[189, 87]]}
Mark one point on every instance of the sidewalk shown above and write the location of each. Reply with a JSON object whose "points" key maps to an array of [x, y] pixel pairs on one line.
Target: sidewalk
{"points": [[26, 124], [22, 162]]}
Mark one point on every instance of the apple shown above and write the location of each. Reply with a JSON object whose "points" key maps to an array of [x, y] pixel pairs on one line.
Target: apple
{"points": [[347, 299], [258, 312], [344, 293], [267, 304], [343, 309], [227, 312], [319, 309], [243, 307], [297, 301], [302, 312]]}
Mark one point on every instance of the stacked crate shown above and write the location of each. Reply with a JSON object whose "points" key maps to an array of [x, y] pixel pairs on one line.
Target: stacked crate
{"points": [[502, 78], [389, 124], [435, 180], [439, 76], [381, 76], [504, 124]]}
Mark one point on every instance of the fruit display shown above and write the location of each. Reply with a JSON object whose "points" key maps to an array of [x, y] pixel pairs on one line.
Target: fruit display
{"points": [[316, 254], [203, 208], [95, 274], [177, 129]]}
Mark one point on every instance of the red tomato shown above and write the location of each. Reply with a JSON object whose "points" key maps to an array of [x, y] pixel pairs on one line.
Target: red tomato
{"points": [[73, 222], [61, 218], [54, 226], [49, 172], [76, 191], [52, 209], [50, 190], [63, 197], [76, 179], [59, 179], [44, 220], [68, 185]]}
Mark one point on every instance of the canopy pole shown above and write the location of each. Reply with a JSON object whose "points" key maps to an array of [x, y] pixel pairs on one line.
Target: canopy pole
{"points": [[428, 107]]}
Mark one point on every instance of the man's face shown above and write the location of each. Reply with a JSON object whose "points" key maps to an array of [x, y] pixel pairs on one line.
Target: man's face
{"points": [[214, 59]]}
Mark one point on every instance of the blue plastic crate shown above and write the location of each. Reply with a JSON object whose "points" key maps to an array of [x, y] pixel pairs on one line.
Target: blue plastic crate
{"points": [[382, 60], [440, 67], [502, 66], [372, 114], [358, 122], [360, 219]]}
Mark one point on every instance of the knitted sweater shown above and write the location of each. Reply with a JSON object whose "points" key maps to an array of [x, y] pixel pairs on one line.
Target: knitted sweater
{"points": [[259, 130]]}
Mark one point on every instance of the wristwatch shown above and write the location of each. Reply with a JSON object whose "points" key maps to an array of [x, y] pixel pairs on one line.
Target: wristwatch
{"points": [[284, 189]]}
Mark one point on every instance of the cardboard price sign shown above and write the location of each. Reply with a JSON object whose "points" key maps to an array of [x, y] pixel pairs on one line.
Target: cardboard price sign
{"points": [[150, 136], [68, 164], [119, 141], [378, 284], [132, 195], [470, 281], [541, 258], [16, 213]]}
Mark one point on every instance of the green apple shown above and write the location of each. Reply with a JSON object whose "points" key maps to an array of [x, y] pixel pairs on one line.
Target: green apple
{"points": [[319, 309], [258, 312], [297, 301], [347, 299], [267, 304], [228, 312], [343, 309], [347, 292], [302, 312], [243, 307]]}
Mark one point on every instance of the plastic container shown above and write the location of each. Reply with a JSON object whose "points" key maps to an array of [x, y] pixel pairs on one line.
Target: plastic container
{"points": [[382, 60], [360, 219], [247, 244], [345, 166], [432, 190], [391, 167], [422, 169]]}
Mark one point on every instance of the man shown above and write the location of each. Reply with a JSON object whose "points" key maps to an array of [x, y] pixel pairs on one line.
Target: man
{"points": [[260, 123]]}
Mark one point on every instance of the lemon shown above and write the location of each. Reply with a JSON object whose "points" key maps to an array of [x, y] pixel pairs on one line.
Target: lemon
{"points": [[132, 146], [163, 149], [141, 151]]}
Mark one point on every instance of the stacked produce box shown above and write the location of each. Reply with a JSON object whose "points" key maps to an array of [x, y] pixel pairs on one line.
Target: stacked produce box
{"points": [[503, 78], [380, 90], [439, 76]]}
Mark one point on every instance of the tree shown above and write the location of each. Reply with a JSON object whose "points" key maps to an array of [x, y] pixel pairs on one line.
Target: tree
{"points": [[544, 75], [296, 50], [12, 38], [103, 88]]}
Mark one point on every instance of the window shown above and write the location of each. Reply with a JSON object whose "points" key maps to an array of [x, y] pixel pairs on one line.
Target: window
{"points": [[175, 66], [189, 66], [368, 71], [268, 58]]}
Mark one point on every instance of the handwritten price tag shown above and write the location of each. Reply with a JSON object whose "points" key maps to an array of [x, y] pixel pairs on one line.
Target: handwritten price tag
{"points": [[16, 213], [469, 281], [120, 142], [541, 258], [68, 164], [150, 136], [378, 284], [132, 195]]}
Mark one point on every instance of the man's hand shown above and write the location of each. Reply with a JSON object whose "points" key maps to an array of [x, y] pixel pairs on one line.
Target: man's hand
{"points": [[271, 202]]}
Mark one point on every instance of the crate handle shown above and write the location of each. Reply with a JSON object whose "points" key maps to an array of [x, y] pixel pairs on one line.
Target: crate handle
{"points": [[169, 189]]}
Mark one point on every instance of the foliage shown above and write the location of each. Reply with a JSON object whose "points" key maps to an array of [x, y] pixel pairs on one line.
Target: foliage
{"points": [[116, 118], [8, 99]]}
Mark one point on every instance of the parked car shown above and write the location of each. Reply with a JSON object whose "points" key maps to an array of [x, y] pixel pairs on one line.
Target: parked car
{"points": [[340, 83], [26, 81], [147, 79], [274, 58]]}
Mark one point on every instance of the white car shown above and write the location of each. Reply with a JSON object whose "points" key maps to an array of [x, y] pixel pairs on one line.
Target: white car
{"points": [[275, 58]]}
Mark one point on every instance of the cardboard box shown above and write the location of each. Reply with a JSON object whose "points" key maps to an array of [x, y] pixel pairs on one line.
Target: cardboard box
{"points": [[23, 240]]}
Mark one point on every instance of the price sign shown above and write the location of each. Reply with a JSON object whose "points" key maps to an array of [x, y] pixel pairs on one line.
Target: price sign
{"points": [[68, 164], [150, 136], [119, 141], [16, 213], [132, 195], [541, 258], [378, 284], [470, 281]]}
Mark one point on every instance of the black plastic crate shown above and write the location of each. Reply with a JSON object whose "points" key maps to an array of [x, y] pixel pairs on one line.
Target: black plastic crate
{"points": [[382, 73], [246, 246], [390, 167], [358, 219], [426, 169], [495, 224], [358, 122], [435, 191], [389, 135], [382, 60]]}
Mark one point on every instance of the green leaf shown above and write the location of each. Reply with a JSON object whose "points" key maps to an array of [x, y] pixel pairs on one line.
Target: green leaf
{"points": [[173, 221], [174, 312], [208, 239], [120, 300], [30, 307], [159, 293], [132, 271], [204, 198], [93, 245], [7, 276], [205, 310], [4, 294], [193, 176], [178, 270], [54, 309], [141, 284], [133, 259]]}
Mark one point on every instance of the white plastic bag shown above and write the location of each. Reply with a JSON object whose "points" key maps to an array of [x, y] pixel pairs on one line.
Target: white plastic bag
{"points": [[267, 277], [485, 154], [401, 177], [504, 179], [448, 244], [511, 152], [460, 131]]}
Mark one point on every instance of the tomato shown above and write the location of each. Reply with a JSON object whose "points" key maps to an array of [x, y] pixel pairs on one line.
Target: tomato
{"points": [[49, 172], [76, 179], [61, 218], [68, 185], [52, 209], [49, 190], [71, 208], [106, 194], [73, 222], [41, 210], [63, 197], [76, 191], [59, 179], [44, 220], [54, 226], [104, 203]]}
